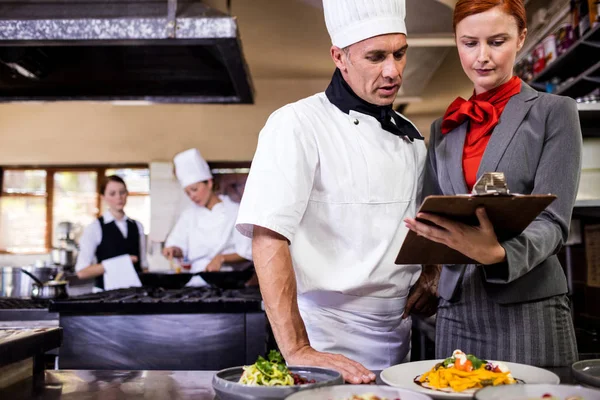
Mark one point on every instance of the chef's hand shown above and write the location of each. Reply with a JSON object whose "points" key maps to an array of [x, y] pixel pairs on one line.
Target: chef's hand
{"points": [[423, 297], [215, 264], [172, 252], [477, 242], [134, 259], [352, 371]]}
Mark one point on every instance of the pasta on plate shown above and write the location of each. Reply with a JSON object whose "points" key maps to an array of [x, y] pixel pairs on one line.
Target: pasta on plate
{"points": [[462, 372], [271, 372]]}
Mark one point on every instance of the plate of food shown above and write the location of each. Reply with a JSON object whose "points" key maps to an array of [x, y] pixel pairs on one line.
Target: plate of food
{"points": [[358, 392], [270, 379], [461, 375], [587, 372], [537, 392]]}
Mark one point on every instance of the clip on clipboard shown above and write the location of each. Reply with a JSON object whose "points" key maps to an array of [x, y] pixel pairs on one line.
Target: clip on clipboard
{"points": [[509, 213]]}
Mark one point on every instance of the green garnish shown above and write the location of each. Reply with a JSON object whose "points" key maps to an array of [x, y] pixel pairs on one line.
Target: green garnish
{"points": [[265, 367], [477, 363], [275, 357]]}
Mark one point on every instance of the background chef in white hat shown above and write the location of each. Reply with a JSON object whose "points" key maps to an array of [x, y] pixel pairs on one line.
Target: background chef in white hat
{"points": [[332, 178], [205, 232]]}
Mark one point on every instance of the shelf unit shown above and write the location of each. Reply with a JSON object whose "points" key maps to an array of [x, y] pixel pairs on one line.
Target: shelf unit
{"points": [[589, 108], [534, 37], [589, 117], [582, 84], [585, 209], [588, 203], [577, 60]]}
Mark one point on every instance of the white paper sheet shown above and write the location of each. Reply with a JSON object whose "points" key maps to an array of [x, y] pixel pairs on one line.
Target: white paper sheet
{"points": [[119, 273]]}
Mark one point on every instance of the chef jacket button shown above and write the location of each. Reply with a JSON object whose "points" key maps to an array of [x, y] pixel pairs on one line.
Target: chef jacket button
{"points": [[355, 122]]}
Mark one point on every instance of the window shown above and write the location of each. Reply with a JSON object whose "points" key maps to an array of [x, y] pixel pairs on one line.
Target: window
{"points": [[34, 201], [23, 211], [75, 199]]}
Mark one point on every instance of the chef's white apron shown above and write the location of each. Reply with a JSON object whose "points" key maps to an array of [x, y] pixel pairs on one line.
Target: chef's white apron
{"points": [[368, 330]]}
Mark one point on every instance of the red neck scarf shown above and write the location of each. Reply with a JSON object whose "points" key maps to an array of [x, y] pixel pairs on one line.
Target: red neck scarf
{"points": [[483, 112]]}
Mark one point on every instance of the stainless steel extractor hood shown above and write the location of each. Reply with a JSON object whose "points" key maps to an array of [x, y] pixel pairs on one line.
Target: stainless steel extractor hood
{"points": [[166, 51]]}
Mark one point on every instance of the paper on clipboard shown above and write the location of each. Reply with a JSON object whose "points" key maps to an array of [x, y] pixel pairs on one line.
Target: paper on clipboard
{"points": [[510, 214], [119, 273]]}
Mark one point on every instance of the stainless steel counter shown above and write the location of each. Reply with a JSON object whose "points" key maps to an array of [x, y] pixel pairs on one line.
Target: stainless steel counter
{"points": [[121, 385], [139, 385]]}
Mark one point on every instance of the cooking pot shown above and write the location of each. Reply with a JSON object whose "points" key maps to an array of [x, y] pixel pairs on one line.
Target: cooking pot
{"points": [[63, 256], [13, 283], [54, 289]]}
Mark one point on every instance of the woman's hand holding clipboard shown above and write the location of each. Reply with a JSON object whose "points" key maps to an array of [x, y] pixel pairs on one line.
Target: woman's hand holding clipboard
{"points": [[478, 242], [451, 230]]}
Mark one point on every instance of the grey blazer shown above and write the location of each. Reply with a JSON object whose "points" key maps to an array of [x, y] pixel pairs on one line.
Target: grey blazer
{"points": [[537, 144]]}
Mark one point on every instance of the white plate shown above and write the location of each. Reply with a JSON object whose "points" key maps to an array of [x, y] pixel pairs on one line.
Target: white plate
{"points": [[403, 375], [587, 372], [531, 392], [346, 391]]}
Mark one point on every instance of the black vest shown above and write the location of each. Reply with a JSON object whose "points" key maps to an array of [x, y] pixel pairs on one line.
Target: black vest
{"points": [[113, 244]]}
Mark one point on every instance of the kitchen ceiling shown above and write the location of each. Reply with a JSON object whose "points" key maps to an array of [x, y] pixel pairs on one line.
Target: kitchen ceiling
{"points": [[175, 51], [287, 39]]}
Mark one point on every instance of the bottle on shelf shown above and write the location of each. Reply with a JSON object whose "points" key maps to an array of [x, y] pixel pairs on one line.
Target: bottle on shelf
{"points": [[552, 85], [564, 38], [575, 18], [549, 44], [594, 12], [584, 17]]}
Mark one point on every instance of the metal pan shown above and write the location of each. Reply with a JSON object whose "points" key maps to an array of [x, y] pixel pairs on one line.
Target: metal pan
{"points": [[54, 289], [227, 279], [165, 280], [220, 279]]}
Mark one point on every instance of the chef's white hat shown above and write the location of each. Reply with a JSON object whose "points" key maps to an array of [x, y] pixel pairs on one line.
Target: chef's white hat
{"points": [[350, 21], [191, 168]]}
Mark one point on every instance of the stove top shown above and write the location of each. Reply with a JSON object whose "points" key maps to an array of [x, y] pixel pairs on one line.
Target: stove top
{"points": [[159, 301], [13, 303], [21, 309]]}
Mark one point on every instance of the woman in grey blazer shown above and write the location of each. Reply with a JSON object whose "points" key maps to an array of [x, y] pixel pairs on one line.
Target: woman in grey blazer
{"points": [[512, 305]]}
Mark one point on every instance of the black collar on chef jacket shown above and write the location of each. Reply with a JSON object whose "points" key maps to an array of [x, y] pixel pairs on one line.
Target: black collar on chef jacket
{"points": [[343, 97]]}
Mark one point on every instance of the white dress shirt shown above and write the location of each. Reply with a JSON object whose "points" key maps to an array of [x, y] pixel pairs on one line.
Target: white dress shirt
{"points": [[92, 237]]}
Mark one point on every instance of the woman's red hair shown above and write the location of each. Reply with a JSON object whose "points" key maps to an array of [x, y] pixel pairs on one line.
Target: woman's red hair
{"points": [[466, 8]]}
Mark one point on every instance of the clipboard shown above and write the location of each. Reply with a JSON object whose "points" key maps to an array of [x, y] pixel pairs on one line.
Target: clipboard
{"points": [[510, 214]]}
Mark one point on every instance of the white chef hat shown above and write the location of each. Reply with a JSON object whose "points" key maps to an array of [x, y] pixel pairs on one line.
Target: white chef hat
{"points": [[191, 168], [350, 21]]}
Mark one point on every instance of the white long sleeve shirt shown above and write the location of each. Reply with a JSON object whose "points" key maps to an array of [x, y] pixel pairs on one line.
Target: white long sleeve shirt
{"points": [[92, 237]]}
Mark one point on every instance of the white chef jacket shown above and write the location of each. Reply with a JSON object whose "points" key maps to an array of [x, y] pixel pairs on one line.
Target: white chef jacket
{"points": [[92, 237], [202, 234], [337, 187]]}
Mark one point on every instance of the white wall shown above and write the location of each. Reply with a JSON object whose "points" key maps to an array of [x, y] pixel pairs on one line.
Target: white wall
{"points": [[589, 184], [102, 133]]}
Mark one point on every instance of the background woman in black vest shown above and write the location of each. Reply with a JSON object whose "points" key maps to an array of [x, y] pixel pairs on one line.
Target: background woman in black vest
{"points": [[113, 234]]}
